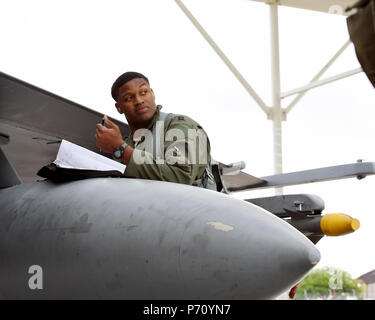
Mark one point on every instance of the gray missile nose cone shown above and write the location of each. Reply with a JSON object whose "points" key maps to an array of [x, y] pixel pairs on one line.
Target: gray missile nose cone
{"points": [[247, 254], [298, 255], [314, 256], [195, 244]]}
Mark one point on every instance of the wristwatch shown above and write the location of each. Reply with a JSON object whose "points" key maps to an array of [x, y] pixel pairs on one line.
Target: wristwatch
{"points": [[117, 154]]}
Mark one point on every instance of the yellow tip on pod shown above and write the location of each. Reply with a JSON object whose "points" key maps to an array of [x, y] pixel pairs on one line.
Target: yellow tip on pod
{"points": [[337, 224]]}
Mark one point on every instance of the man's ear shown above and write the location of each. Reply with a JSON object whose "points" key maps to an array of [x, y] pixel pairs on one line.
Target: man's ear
{"points": [[119, 109]]}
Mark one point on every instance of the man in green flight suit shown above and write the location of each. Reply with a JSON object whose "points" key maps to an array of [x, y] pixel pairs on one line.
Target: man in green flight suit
{"points": [[165, 147]]}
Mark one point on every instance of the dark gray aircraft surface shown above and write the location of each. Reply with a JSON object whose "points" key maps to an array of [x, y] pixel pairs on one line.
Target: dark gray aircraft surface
{"points": [[119, 238]]}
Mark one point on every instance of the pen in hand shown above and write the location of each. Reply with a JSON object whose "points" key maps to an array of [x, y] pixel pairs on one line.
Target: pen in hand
{"points": [[103, 124]]}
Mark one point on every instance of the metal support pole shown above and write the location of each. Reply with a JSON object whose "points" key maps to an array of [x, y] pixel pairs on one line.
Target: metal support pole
{"points": [[316, 84], [223, 57], [319, 74], [276, 100]]}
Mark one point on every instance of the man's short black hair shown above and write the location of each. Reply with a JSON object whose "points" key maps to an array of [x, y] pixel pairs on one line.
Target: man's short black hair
{"points": [[125, 77]]}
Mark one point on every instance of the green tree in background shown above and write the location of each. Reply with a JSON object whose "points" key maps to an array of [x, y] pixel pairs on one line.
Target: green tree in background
{"points": [[330, 283]]}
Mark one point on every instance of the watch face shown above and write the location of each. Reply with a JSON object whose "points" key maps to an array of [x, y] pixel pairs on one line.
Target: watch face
{"points": [[117, 154]]}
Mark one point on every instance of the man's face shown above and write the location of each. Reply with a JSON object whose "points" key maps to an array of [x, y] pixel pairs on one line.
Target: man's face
{"points": [[137, 101]]}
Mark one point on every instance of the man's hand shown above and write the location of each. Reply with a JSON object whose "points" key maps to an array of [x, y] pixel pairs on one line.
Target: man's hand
{"points": [[108, 139]]}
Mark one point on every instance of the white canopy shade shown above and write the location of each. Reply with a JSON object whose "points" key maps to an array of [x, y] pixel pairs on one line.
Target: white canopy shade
{"points": [[328, 6]]}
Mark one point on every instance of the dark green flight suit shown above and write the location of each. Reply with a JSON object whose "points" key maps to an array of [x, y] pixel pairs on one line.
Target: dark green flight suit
{"points": [[181, 146]]}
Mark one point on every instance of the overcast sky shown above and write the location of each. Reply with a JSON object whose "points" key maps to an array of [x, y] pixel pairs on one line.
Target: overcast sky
{"points": [[76, 49]]}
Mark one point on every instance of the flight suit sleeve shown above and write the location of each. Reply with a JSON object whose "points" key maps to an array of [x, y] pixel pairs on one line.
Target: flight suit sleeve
{"points": [[186, 154]]}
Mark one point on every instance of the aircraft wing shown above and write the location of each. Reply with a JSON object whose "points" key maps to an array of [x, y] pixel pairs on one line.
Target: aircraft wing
{"points": [[33, 122], [241, 181], [244, 181], [328, 6]]}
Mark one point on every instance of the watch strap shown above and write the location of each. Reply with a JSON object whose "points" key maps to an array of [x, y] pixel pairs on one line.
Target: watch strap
{"points": [[118, 153]]}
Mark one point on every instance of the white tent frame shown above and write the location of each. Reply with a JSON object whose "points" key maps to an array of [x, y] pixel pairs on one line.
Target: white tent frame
{"points": [[275, 113]]}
